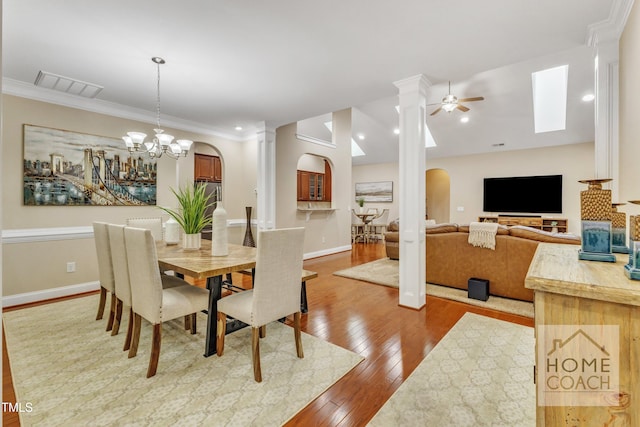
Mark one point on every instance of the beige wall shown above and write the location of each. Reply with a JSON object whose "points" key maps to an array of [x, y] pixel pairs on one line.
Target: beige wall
{"points": [[629, 109], [324, 231], [574, 162], [438, 192], [19, 272], [375, 173]]}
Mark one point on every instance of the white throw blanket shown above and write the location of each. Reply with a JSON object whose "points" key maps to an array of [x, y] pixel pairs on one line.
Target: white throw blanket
{"points": [[483, 234]]}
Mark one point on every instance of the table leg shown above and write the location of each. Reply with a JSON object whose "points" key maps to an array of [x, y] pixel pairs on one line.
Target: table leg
{"points": [[303, 298], [214, 284]]}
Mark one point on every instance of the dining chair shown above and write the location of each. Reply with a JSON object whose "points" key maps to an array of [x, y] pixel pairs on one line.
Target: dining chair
{"points": [[123, 284], [275, 294], [153, 224], [357, 227], [150, 300], [378, 225], [105, 271]]}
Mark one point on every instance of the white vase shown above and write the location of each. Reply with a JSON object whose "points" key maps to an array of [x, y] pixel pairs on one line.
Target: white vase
{"points": [[219, 236], [171, 232], [361, 209], [191, 242]]}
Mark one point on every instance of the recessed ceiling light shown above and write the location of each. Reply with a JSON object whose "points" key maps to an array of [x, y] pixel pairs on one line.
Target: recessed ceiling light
{"points": [[396, 131], [464, 119], [361, 136], [588, 97], [238, 128]]}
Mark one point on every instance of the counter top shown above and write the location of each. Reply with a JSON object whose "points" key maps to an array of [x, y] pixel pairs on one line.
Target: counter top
{"points": [[556, 268]]}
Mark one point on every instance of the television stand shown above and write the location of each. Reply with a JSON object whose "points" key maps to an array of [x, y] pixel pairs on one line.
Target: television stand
{"points": [[534, 221]]}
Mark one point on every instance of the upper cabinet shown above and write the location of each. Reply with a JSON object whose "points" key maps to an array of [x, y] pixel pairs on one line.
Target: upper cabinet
{"points": [[207, 168], [314, 185]]}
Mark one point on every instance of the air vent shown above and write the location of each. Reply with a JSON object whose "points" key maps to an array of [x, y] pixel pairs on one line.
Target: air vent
{"points": [[499, 144], [67, 85]]}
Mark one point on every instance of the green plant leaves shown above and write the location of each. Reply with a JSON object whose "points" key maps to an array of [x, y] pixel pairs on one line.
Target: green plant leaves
{"points": [[194, 203]]}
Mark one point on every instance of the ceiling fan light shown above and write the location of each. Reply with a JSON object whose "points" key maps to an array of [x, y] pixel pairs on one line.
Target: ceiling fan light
{"points": [[449, 107]]}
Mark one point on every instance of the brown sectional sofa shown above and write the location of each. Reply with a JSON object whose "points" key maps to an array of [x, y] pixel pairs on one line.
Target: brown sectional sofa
{"points": [[452, 261]]}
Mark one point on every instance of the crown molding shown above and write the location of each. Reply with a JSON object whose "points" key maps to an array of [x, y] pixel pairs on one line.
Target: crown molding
{"points": [[30, 91], [610, 29]]}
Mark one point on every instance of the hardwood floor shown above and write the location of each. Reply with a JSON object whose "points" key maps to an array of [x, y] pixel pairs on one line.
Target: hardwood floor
{"points": [[363, 318]]}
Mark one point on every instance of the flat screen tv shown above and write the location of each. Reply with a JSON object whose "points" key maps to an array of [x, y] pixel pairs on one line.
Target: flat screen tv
{"points": [[523, 194]]}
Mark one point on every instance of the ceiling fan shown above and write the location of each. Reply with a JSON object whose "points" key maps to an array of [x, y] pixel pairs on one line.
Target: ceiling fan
{"points": [[451, 102]]}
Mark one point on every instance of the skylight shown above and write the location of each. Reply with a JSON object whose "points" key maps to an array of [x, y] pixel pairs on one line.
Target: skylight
{"points": [[355, 148], [550, 99]]}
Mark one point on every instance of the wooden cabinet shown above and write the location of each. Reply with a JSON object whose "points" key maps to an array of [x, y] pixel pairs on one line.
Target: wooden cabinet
{"points": [[546, 224], [311, 187], [207, 168], [585, 297]]}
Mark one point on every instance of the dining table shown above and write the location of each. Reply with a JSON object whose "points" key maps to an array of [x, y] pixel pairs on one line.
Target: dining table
{"points": [[201, 264], [366, 219]]}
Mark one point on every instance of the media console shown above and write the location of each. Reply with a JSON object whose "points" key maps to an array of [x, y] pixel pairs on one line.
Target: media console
{"points": [[542, 223]]}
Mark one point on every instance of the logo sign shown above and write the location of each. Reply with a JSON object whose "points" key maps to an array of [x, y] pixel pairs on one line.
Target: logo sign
{"points": [[578, 365]]}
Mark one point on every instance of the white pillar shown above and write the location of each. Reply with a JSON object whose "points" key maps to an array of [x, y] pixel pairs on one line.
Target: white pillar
{"points": [[413, 103], [266, 177], [606, 112]]}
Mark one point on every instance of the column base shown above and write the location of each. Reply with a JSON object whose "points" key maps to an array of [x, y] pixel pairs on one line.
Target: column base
{"points": [[632, 273]]}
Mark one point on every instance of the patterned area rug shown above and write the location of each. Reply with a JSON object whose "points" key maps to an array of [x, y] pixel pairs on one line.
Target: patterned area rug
{"points": [[74, 373], [385, 272], [479, 374]]}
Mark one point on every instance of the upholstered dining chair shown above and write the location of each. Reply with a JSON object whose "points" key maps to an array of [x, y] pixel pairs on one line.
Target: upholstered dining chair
{"points": [[150, 300], [105, 271], [153, 224], [378, 225], [123, 284], [357, 227], [275, 294]]}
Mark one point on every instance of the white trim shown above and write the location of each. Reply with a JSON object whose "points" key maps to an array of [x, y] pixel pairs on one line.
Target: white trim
{"points": [[46, 294], [30, 91], [611, 28], [30, 235], [314, 140], [329, 251]]}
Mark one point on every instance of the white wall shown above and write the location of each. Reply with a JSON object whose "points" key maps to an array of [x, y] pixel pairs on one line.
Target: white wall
{"points": [[574, 162]]}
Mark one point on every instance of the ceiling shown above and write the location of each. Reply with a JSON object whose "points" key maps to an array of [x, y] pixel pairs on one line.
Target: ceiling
{"points": [[231, 63]]}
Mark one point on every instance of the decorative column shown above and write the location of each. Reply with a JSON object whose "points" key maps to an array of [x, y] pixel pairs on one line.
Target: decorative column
{"points": [[595, 213], [266, 178], [632, 270], [412, 164], [619, 230]]}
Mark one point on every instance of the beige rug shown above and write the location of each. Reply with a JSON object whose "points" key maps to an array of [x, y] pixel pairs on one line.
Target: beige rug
{"points": [[73, 373], [385, 272], [479, 374]]}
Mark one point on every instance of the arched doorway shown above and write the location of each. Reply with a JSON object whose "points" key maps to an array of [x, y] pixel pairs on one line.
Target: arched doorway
{"points": [[438, 194]]}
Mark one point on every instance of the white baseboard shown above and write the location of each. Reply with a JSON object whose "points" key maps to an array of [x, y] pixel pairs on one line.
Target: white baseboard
{"points": [[327, 252], [46, 294]]}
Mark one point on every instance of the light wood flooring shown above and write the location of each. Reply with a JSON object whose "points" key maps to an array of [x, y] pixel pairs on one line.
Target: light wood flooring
{"points": [[364, 318]]}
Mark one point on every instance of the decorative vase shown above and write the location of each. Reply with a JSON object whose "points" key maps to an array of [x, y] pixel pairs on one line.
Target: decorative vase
{"points": [[361, 209], [619, 230], [595, 214], [248, 236], [171, 232], [191, 242], [632, 270], [219, 236]]}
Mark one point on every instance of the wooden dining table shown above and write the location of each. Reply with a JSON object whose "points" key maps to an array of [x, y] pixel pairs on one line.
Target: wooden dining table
{"points": [[200, 264], [366, 219]]}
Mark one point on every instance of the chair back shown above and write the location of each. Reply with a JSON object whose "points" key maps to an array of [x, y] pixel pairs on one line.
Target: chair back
{"points": [[372, 211], [382, 219], [103, 250], [120, 263], [355, 219], [278, 274], [153, 224], [144, 274]]}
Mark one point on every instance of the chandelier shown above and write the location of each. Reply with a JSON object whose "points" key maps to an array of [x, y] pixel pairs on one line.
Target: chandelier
{"points": [[162, 143]]}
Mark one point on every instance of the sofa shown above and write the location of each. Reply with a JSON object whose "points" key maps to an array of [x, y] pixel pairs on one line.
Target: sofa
{"points": [[452, 261]]}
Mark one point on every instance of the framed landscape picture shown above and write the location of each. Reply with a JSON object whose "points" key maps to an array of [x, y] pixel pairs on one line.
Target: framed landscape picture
{"points": [[64, 168], [381, 191]]}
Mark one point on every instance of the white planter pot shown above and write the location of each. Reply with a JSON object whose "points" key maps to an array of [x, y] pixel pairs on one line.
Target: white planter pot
{"points": [[191, 242]]}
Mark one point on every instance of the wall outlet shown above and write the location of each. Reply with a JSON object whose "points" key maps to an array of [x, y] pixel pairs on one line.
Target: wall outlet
{"points": [[460, 208], [71, 267], [323, 239]]}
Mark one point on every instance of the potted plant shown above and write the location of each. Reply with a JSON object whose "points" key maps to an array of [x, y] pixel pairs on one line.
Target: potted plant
{"points": [[360, 201], [191, 215]]}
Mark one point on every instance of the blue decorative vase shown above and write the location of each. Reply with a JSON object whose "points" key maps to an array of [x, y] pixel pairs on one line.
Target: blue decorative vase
{"points": [[618, 230], [632, 270], [595, 205]]}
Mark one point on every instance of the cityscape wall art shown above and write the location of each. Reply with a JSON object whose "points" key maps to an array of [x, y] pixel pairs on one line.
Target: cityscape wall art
{"points": [[64, 168]]}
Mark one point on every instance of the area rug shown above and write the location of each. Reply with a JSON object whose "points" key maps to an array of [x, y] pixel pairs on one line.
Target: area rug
{"points": [[479, 374], [385, 272], [72, 372]]}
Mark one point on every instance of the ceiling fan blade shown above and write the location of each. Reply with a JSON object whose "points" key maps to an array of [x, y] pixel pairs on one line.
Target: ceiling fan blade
{"points": [[462, 108], [477, 98], [436, 111]]}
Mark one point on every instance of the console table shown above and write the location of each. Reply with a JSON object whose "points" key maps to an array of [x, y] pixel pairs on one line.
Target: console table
{"points": [[573, 292], [542, 223]]}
